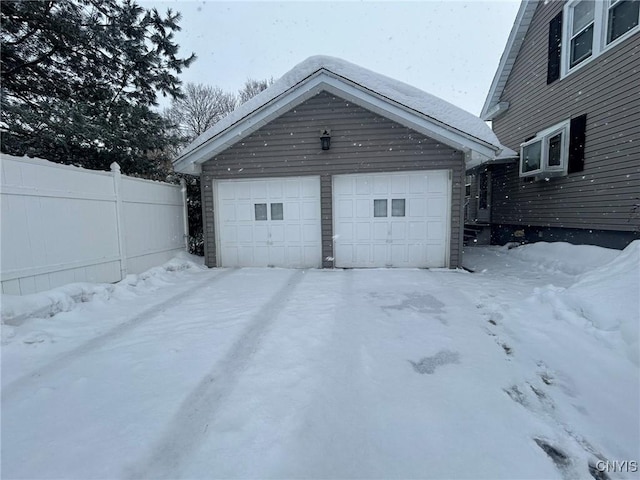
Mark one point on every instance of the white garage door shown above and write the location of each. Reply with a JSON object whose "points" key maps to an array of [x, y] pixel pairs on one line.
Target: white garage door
{"points": [[392, 219], [271, 222]]}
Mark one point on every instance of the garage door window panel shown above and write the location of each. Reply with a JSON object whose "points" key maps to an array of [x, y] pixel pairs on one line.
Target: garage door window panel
{"points": [[277, 212], [397, 207], [261, 211], [380, 208]]}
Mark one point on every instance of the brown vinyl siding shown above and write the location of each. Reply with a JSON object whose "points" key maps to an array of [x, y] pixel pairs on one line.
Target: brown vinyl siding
{"points": [[607, 89], [326, 211], [361, 142]]}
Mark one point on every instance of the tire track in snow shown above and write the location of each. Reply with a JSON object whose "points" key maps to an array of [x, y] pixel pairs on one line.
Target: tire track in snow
{"points": [[69, 357], [327, 445], [189, 425]]}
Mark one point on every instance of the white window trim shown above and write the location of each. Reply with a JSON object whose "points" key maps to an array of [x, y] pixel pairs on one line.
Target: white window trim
{"points": [[600, 45], [543, 136]]}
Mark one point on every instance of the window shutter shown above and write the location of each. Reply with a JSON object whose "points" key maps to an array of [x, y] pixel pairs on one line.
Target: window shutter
{"points": [[555, 48], [577, 131]]}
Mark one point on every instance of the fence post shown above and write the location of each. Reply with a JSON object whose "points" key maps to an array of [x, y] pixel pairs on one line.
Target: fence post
{"points": [[185, 213], [117, 180]]}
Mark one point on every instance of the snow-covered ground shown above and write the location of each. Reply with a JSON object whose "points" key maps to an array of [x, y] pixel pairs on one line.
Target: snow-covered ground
{"points": [[527, 368]]}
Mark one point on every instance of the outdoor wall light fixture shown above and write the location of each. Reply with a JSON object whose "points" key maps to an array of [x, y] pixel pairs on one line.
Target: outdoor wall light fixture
{"points": [[325, 139]]}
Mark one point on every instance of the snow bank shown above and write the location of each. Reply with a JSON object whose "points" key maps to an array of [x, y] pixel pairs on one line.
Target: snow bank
{"points": [[18, 308], [564, 257], [609, 297], [605, 296]]}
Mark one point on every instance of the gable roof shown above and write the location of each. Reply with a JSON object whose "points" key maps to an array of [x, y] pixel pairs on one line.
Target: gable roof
{"points": [[395, 100], [492, 105]]}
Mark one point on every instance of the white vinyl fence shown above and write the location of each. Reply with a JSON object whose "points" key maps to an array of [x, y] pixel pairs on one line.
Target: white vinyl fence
{"points": [[62, 224]]}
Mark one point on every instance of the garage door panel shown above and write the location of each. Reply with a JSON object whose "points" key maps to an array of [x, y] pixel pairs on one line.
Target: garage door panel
{"points": [[275, 190], [244, 232], [399, 184], [292, 190], [417, 184], [435, 206], [292, 211], [294, 256], [310, 210], [245, 255], [417, 231], [277, 233], [399, 255], [293, 234], [284, 230], [435, 256], [346, 232], [310, 234], [229, 213], [436, 183], [411, 232], [276, 255], [363, 231], [242, 212], [398, 231], [231, 232], [363, 186], [231, 252], [416, 208], [345, 207], [380, 231], [381, 255], [380, 185], [243, 192], [363, 254], [226, 192], [310, 188], [363, 208], [260, 233], [258, 190], [435, 231], [417, 251], [310, 253]]}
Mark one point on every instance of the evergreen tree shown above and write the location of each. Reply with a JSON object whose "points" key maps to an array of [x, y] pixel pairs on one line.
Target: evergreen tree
{"points": [[79, 78]]}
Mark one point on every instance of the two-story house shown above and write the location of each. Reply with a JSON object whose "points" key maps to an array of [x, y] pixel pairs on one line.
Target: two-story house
{"points": [[566, 97]]}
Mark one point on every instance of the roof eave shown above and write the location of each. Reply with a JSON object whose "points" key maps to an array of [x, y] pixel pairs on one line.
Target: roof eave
{"points": [[473, 161], [508, 58], [324, 80]]}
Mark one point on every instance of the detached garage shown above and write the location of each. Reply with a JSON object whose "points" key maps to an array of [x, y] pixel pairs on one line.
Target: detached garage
{"points": [[336, 166]]}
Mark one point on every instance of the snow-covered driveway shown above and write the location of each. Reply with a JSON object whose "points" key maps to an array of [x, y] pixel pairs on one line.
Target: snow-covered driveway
{"points": [[263, 373]]}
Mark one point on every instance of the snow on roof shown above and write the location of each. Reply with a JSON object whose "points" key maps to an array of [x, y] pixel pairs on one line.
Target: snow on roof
{"points": [[408, 97]]}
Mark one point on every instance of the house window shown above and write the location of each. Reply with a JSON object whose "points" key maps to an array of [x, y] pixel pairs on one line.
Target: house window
{"points": [[547, 153], [582, 21], [622, 16], [589, 27]]}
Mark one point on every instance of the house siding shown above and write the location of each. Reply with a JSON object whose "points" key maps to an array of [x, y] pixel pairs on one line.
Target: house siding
{"points": [[361, 142], [604, 196]]}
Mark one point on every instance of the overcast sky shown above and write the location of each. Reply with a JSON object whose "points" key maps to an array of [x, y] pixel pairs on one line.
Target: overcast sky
{"points": [[448, 48]]}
